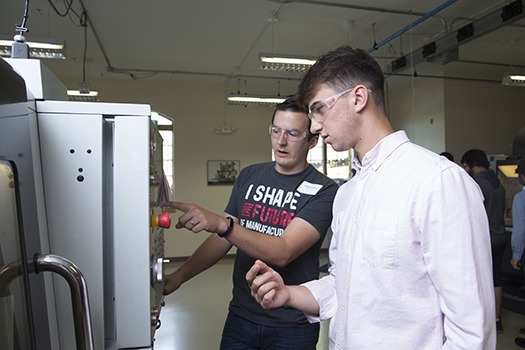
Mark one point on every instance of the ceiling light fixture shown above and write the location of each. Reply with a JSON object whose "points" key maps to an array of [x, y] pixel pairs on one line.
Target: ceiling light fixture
{"points": [[288, 63], [84, 93], [508, 170], [91, 93], [38, 48], [245, 100], [513, 79]]}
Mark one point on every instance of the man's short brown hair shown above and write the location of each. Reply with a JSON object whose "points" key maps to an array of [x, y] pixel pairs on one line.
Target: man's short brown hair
{"points": [[342, 69]]}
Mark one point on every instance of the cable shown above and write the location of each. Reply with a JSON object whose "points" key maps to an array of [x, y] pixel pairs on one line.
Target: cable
{"points": [[22, 28], [69, 11], [83, 23], [19, 48], [68, 7]]}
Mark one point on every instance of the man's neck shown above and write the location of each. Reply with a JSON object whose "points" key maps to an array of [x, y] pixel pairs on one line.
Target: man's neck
{"points": [[478, 169], [291, 171]]}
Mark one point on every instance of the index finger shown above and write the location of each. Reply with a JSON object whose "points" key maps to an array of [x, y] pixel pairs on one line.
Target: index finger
{"points": [[177, 205]]}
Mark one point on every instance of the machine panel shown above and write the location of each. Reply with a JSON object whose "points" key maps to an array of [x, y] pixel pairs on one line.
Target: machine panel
{"points": [[103, 183]]}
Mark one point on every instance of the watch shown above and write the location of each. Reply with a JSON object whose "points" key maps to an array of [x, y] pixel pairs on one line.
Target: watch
{"points": [[228, 229]]}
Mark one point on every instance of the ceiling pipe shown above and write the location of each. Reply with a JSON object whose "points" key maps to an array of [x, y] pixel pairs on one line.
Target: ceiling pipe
{"points": [[353, 7], [412, 25], [373, 9], [441, 77], [441, 48]]}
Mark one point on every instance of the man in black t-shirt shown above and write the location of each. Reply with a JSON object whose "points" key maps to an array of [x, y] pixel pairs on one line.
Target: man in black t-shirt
{"points": [[278, 212]]}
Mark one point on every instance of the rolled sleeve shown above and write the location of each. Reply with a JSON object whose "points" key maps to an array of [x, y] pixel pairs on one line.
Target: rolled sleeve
{"points": [[323, 291]]}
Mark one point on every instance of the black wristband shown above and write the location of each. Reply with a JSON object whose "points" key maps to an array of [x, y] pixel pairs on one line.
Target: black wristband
{"points": [[229, 229]]}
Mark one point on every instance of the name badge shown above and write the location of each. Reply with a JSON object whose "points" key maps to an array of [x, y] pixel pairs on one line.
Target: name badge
{"points": [[309, 188]]}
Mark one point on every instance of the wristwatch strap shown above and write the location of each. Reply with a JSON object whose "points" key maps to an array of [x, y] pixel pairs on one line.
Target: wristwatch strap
{"points": [[229, 229]]}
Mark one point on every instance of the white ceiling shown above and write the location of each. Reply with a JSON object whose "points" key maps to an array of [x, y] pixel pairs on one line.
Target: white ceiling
{"points": [[220, 39]]}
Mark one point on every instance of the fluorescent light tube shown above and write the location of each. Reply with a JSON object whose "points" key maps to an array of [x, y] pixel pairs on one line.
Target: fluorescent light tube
{"points": [[255, 99], [91, 93]]}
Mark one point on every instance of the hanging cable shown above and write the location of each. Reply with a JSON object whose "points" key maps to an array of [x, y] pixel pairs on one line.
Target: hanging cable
{"points": [[374, 35], [21, 29], [68, 4], [83, 23], [19, 48], [69, 12]]}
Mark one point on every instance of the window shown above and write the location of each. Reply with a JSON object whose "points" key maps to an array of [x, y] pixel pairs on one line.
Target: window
{"points": [[335, 165], [165, 127]]}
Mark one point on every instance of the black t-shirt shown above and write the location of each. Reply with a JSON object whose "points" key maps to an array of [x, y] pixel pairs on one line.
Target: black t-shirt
{"points": [[265, 201]]}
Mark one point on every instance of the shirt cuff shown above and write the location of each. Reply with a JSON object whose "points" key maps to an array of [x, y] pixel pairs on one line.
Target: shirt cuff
{"points": [[324, 293]]}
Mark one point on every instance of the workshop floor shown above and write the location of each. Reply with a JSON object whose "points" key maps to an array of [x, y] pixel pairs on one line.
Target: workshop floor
{"points": [[194, 315]]}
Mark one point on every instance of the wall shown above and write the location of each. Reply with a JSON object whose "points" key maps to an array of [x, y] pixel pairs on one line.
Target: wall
{"points": [[457, 115], [416, 106], [197, 108], [482, 115]]}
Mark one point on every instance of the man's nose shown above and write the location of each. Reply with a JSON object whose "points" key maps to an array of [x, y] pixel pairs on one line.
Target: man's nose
{"points": [[315, 127], [282, 137]]}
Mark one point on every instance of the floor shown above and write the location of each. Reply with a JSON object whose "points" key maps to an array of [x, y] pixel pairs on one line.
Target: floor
{"points": [[194, 315]]}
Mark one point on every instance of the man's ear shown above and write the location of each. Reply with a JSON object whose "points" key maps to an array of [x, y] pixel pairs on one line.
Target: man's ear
{"points": [[361, 96], [313, 141]]}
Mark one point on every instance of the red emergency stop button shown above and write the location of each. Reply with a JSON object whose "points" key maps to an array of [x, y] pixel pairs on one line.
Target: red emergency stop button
{"points": [[163, 220]]}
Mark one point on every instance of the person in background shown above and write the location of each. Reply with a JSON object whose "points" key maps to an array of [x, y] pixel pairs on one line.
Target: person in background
{"points": [[518, 232], [278, 211], [410, 249], [447, 155], [476, 163]]}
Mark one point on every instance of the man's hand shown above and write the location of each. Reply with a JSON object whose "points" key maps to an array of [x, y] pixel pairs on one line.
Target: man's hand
{"points": [[197, 219], [516, 264], [267, 286]]}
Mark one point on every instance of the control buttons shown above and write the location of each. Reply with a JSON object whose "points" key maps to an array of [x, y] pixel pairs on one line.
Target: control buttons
{"points": [[157, 271], [163, 220]]}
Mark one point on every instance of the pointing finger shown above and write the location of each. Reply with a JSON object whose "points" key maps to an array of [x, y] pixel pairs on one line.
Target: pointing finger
{"points": [[178, 205]]}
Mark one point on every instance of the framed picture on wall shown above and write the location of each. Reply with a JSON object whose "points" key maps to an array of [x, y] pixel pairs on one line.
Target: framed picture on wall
{"points": [[223, 172]]}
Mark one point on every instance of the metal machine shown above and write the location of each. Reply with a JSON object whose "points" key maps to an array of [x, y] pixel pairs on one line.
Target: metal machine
{"points": [[89, 187]]}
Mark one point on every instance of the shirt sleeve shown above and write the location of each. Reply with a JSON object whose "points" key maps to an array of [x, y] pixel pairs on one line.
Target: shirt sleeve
{"points": [[518, 226], [456, 248], [324, 289], [318, 210]]}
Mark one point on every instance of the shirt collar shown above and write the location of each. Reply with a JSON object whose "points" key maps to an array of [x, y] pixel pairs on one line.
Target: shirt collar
{"points": [[381, 151]]}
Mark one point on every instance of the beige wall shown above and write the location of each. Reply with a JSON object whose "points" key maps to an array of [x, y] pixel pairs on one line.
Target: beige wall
{"points": [[482, 115], [416, 106], [457, 115], [436, 113]]}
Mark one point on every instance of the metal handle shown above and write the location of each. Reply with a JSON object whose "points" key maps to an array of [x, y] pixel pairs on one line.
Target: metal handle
{"points": [[77, 284]]}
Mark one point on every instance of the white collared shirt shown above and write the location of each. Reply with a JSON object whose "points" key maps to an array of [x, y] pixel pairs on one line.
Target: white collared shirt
{"points": [[410, 256]]}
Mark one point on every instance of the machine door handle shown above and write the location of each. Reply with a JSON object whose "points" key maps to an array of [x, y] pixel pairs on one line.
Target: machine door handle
{"points": [[77, 284]]}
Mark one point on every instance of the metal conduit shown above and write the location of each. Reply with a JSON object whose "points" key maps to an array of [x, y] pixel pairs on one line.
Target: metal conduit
{"points": [[351, 6], [412, 25]]}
